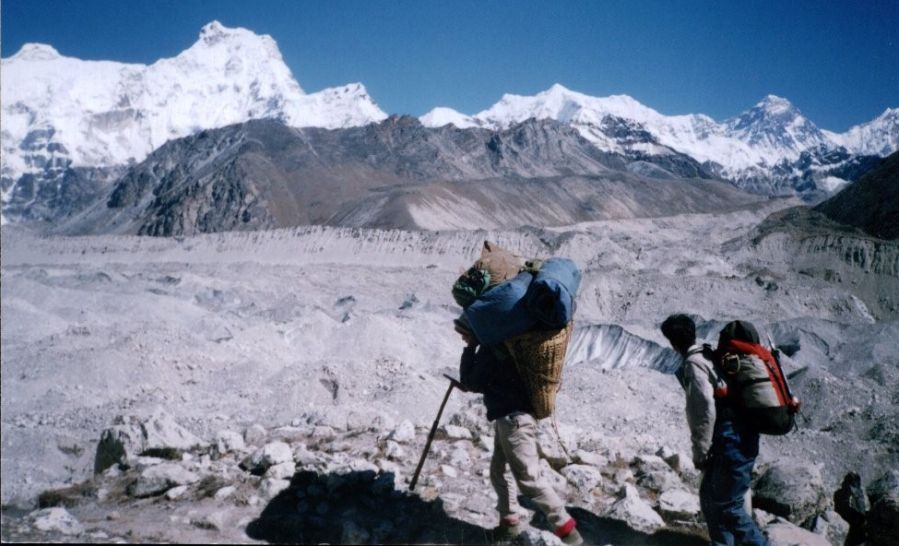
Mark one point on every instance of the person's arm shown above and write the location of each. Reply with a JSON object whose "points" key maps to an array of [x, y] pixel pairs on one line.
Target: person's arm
{"points": [[472, 372], [700, 408]]}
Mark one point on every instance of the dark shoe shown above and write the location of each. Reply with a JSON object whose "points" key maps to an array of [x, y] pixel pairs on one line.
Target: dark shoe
{"points": [[504, 533], [573, 538]]}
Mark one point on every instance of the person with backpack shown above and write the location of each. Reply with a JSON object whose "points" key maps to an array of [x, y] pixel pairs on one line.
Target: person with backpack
{"points": [[724, 444], [489, 371]]}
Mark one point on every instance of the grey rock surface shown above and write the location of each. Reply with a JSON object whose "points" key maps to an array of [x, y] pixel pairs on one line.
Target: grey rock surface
{"points": [[791, 489]]}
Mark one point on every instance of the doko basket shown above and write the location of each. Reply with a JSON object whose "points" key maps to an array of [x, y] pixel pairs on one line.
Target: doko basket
{"points": [[539, 357]]}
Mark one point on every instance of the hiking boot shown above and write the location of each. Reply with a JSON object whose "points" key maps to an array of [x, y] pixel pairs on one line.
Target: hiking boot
{"points": [[573, 538], [569, 534], [505, 532]]}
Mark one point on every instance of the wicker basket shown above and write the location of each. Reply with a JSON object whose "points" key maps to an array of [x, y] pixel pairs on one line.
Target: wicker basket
{"points": [[539, 357]]}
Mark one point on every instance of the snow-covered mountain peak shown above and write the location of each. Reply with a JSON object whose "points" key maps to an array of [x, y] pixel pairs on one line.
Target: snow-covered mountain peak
{"points": [[776, 128], [35, 52], [61, 112], [440, 116], [562, 104], [774, 105], [880, 136]]}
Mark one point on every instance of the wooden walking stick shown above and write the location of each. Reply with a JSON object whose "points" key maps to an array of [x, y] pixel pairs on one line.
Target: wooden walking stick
{"points": [[424, 454]]}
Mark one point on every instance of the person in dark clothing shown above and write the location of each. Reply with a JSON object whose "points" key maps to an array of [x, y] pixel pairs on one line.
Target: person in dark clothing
{"points": [[490, 371]]}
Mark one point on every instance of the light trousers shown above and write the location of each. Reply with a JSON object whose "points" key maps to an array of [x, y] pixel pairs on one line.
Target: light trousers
{"points": [[515, 447]]}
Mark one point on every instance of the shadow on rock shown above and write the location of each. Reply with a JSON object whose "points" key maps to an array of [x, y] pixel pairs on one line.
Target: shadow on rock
{"points": [[599, 530], [360, 507]]}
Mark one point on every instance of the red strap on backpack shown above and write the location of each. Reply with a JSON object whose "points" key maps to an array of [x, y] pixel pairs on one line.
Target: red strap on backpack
{"points": [[771, 364]]}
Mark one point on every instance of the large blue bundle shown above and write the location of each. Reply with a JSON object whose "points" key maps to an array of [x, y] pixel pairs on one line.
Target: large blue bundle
{"points": [[550, 297], [500, 312]]}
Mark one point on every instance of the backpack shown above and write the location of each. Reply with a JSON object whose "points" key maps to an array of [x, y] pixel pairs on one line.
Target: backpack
{"points": [[539, 356], [757, 388]]}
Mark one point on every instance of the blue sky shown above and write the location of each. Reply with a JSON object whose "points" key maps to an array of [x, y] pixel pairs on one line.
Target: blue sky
{"points": [[836, 61]]}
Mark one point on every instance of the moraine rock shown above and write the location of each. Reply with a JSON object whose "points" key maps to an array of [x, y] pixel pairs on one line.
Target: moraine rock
{"points": [[535, 537], [254, 434], [404, 432], [56, 519], [460, 457], [551, 476], [791, 489], [394, 451], [269, 487], [224, 492], [454, 432], [584, 478], [831, 526], [281, 471], [589, 458], [783, 533], [851, 502], [158, 479], [883, 518], [679, 504], [176, 492], [553, 447], [271, 454], [130, 436], [227, 441], [216, 521], [635, 511]]}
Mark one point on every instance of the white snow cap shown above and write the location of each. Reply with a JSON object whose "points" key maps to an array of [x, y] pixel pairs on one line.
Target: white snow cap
{"points": [[99, 113]]}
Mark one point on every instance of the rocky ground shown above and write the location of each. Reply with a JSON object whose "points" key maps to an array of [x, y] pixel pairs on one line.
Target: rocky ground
{"points": [[292, 377]]}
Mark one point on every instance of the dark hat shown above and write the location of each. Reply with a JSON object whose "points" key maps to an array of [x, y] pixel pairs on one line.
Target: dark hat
{"points": [[738, 330]]}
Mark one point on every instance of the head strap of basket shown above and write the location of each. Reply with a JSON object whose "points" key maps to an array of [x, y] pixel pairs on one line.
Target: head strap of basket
{"points": [[539, 356]]}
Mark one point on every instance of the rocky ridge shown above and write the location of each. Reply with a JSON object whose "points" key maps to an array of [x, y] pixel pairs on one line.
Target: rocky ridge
{"points": [[344, 481]]}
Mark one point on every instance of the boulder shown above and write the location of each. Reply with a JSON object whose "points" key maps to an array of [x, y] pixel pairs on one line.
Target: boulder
{"points": [[634, 511], [224, 492], [130, 436], [176, 492], [883, 518], [791, 489], [227, 441], [254, 434], [404, 432], [553, 447], [553, 478], [678, 504], [460, 458], [851, 503], [394, 451], [56, 519], [582, 477], [589, 458], [158, 479], [455, 432], [535, 537], [281, 471], [269, 455], [270, 487], [831, 526], [783, 533], [216, 521]]}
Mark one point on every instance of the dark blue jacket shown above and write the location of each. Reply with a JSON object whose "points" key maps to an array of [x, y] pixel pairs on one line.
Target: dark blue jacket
{"points": [[492, 372]]}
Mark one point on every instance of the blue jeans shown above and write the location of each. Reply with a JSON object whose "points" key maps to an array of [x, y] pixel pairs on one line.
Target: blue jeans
{"points": [[725, 483]]}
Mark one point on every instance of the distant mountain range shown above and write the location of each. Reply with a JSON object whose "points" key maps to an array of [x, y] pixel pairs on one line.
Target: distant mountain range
{"points": [[263, 174], [72, 128]]}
